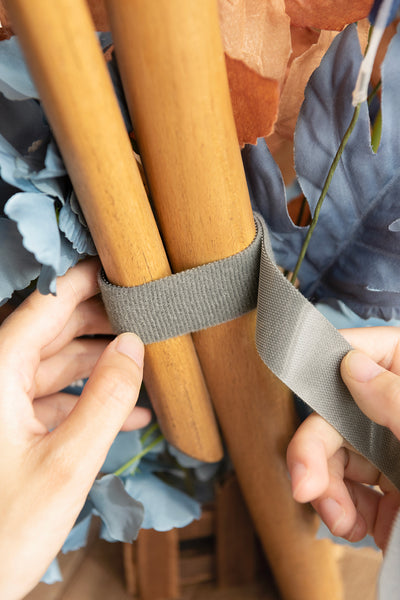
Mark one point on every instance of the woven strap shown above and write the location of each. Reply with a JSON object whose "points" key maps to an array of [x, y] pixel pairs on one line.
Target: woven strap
{"points": [[293, 339]]}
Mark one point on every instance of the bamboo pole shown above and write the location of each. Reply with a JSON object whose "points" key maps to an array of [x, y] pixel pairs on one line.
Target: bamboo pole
{"points": [[69, 71], [172, 65]]}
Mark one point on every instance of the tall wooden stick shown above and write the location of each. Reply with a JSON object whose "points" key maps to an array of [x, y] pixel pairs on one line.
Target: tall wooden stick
{"points": [[172, 65], [70, 73]]}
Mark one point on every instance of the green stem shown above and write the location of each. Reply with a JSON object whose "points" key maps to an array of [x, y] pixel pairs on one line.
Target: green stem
{"points": [[325, 188], [138, 456], [374, 92], [152, 428]]}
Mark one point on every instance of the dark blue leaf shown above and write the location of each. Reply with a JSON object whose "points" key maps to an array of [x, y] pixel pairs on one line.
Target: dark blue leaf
{"points": [[120, 513], [354, 254]]}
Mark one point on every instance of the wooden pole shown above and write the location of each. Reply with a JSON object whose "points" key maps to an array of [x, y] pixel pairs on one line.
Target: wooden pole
{"points": [[69, 71], [172, 65]]}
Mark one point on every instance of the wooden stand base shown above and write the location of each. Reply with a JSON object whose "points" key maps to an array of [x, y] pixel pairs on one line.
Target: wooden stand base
{"points": [[221, 547]]}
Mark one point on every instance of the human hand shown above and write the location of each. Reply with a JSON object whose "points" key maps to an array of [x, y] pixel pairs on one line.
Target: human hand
{"points": [[330, 474], [46, 476]]}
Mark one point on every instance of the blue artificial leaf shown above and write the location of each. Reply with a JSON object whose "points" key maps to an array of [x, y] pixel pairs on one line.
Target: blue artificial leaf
{"points": [[126, 445], [75, 232], [53, 573], [120, 513], [165, 507], [68, 255], [20, 266], [354, 254], [15, 80], [78, 536], [36, 220]]}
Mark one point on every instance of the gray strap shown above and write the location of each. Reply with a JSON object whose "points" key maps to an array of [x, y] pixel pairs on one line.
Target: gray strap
{"points": [[293, 339], [187, 301]]}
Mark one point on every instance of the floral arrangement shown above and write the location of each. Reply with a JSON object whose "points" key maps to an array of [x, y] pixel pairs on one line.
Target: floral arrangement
{"points": [[350, 269]]}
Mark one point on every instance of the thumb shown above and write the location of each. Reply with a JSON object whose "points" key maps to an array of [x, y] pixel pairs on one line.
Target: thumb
{"points": [[374, 389], [106, 401]]}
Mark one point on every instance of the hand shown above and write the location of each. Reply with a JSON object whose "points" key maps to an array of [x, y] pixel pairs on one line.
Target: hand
{"points": [[46, 476], [330, 474]]}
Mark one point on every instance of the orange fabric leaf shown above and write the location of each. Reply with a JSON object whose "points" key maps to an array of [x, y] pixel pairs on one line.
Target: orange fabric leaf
{"points": [[5, 25], [258, 33], [255, 101], [300, 71], [327, 14]]}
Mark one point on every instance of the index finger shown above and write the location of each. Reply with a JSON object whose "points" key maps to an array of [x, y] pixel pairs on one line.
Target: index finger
{"points": [[39, 319]]}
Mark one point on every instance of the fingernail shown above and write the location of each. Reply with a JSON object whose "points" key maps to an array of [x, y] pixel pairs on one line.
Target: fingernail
{"points": [[360, 367], [332, 513], [298, 474], [131, 345]]}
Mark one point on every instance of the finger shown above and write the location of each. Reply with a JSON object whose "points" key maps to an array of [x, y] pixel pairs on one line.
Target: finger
{"points": [[359, 469], [54, 409], [335, 505], [74, 362], [89, 318], [313, 444], [387, 512], [83, 440], [374, 389], [39, 319], [348, 508], [380, 343]]}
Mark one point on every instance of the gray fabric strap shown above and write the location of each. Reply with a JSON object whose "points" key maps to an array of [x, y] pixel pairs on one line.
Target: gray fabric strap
{"points": [[187, 301], [293, 339]]}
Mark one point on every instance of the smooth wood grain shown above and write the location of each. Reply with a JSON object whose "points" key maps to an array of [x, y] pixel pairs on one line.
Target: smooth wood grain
{"points": [[70, 73], [236, 551], [157, 556], [172, 65]]}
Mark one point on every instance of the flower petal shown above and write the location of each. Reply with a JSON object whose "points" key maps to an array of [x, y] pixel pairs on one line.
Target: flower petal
{"points": [[121, 514]]}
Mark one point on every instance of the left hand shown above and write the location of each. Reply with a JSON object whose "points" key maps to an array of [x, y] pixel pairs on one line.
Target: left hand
{"points": [[46, 476], [351, 496]]}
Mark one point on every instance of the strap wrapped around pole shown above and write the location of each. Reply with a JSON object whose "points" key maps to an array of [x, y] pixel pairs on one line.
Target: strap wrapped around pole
{"points": [[172, 65]]}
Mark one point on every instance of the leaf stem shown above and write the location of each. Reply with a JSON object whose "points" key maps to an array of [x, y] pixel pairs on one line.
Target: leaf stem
{"points": [[138, 456], [325, 188], [152, 428]]}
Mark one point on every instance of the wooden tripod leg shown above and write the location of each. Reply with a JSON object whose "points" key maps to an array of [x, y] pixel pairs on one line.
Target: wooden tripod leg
{"points": [[70, 73], [172, 65]]}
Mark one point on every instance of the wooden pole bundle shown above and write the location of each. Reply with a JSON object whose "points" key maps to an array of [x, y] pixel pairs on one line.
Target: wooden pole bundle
{"points": [[172, 65], [69, 71]]}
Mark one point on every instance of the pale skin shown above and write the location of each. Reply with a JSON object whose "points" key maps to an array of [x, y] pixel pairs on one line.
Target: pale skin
{"points": [[326, 471], [46, 475]]}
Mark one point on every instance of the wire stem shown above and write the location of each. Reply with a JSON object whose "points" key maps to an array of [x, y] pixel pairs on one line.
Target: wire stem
{"points": [[325, 188]]}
